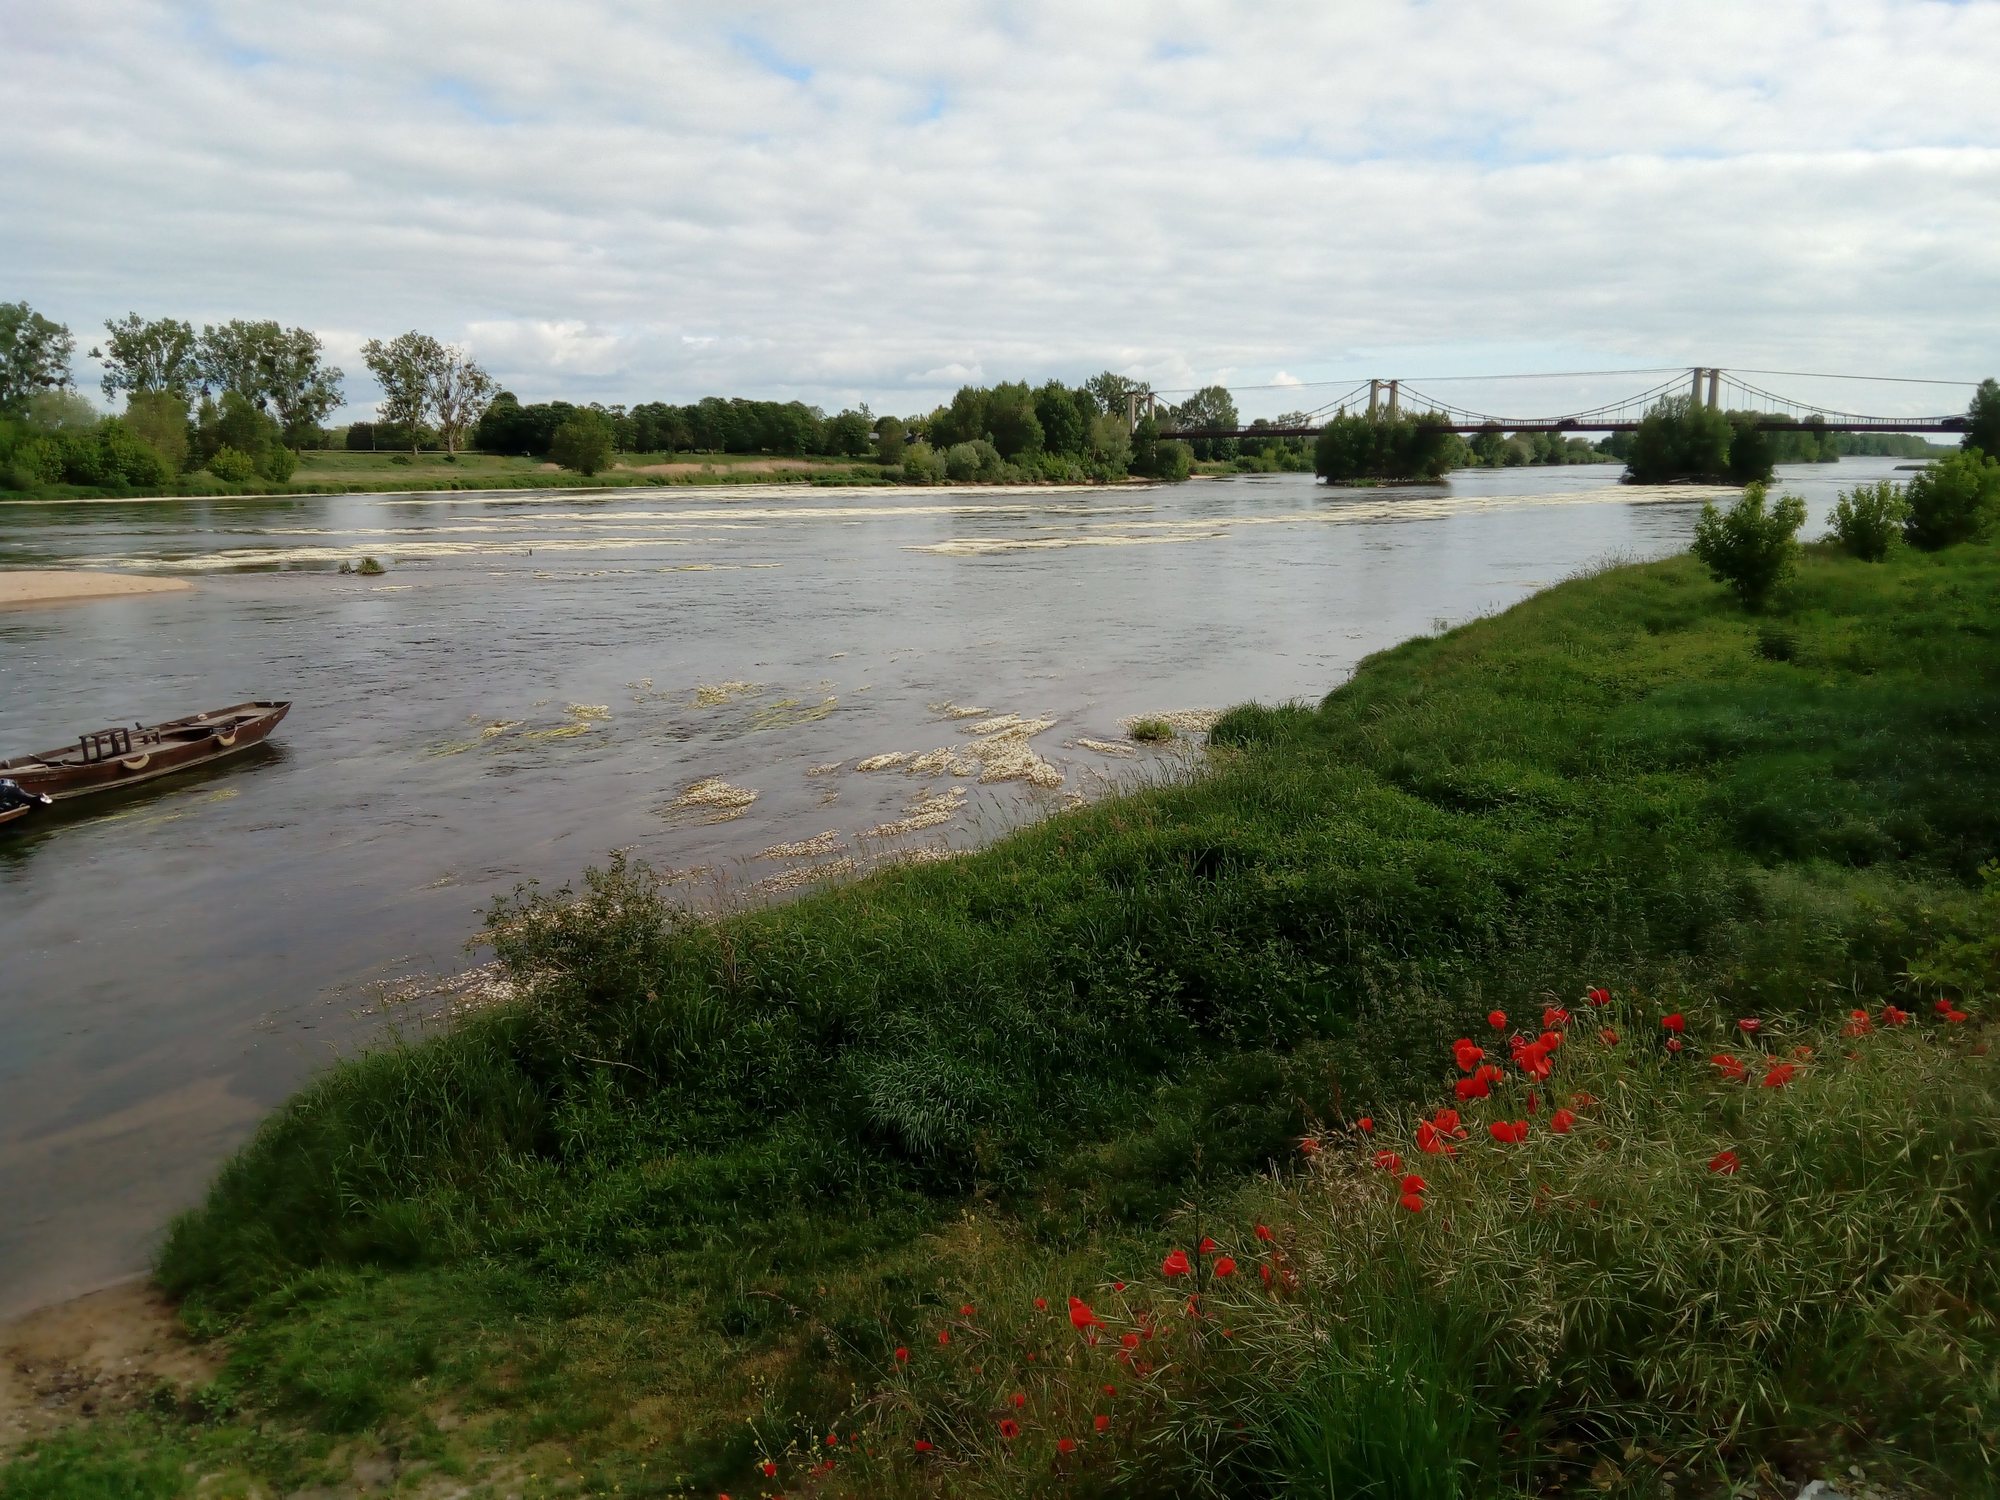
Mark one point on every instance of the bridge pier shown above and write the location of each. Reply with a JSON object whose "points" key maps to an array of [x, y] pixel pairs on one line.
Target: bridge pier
{"points": [[1374, 398], [1714, 376], [1395, 399]]}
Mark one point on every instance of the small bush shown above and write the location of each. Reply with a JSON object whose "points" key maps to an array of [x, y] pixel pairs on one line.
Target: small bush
{"points": [[1869, 518], [922, 464], [1748, 548], [1151, 731], [232, 464], [1957, 499], [961, 462], [277, 463], [368, 567], [583, 442]]}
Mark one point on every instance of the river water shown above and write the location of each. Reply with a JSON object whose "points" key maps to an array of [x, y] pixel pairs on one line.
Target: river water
{"points": [[539, 679]]}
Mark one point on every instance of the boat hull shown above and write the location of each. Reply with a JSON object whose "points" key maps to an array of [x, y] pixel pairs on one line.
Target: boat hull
{"points": [[149, 752]]}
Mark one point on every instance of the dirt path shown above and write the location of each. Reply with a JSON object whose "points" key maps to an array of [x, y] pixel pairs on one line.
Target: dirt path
{"points": [[100, 1353]]}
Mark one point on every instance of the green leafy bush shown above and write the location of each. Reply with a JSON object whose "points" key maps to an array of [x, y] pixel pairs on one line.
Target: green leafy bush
{"points": [[1868, 519], [583, 442], [961, 462], [232, 464], [277, 463], [1956, 499], [922, 464], [1749, 548]]}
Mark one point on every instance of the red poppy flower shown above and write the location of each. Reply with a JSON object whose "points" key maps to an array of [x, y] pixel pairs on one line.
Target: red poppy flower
{"points": [[1553, 1016], [1673, 1044], [902, 1355], [1447, 1121], [1749, 1025], [1415, 1184], [1432, 1141], [1414, 1202], [1081, 1317], [1100, 1421], [1365, 1124], [1729, 1067], [1206, 1247], [1041, 1304], [1676, 1022], [1894, 1017], [1942, 1006], [1263, 1232], [770, 1469], [1561, 1121], [1225, 1266], [1956, 1017], [965, 1311], [1466, 1054], [1176, 1264], [1780, 1075], [1532, 1058], [1309, 1146], [944, 1335], [1009, 1428], [1264, 1275], [1508, 1134], [833, 1440], [1599, 997], [923, 1445], [1497, 1019], [1019, 1400], [1468, 1089], [1608, 1037], [1388, 1161], [1109, 1390], [1724, 1162], [1858, 1024], [1129, 1340], [1065, 1445], [1117, 1286]]}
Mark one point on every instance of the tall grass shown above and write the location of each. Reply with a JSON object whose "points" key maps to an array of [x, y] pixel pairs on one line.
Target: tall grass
{"points": [[1145, 999]]}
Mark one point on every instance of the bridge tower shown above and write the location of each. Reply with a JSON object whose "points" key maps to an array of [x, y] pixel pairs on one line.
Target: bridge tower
{"points": [[1714, 376], [1374, 398], [1395, 398]]}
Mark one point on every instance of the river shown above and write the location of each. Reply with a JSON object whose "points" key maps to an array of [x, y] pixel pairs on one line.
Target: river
{"points": [[538, 679]]}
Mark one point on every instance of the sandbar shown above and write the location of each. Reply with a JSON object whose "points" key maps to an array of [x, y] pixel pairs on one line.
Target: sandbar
{"points": [[66, 585]]}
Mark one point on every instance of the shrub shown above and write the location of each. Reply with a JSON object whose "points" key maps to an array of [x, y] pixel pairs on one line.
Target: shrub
{"points": [[961, 462], [1956, 499], [1151, 731], [1173, 460], [1868, 519], [922, 464], [277, 463], [232, 464], [1749, 548]]}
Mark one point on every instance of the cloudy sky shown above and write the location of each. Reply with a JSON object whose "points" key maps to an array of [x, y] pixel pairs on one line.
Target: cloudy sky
{"points": [[619, 200]]}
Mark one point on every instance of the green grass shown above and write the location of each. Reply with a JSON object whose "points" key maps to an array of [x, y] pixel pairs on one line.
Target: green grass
{"points": [[666, 1213]]}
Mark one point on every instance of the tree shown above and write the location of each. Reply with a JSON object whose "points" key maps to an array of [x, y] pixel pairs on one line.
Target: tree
{"points": [[1868, 520], [1748, 548], [281, 370], [1982, 430], [1065, 426], [403, 368], [1408, 448], [1749, 455], [847, 434], [457, 390], [141, 354], [962, 421], [583, 442], [159, 419], [1110, 389], [1011, 421], [1956, 499], [1211, 406], [1111, 444], [61, 411], [1680, 439], [889, 440], [34, 356]]}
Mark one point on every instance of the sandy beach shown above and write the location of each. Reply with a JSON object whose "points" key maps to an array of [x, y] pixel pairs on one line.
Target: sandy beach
{"points": [[67, 585]]}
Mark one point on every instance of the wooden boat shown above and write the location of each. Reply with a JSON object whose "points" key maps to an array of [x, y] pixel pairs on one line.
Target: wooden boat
{"points": [[16, 806], [109, 758]]}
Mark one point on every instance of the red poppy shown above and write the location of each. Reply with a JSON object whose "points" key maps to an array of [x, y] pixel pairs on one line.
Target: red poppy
{"points": [[1894, 1017], [1676, 1022], [1432, 1141], [1263, 1232], [902, 1355], [923, 1445], [1309, 1146], [1956, 1017], [833, 1440], [1365, 1124], [1508, 1134], [1729, 1067], [1749, 1025], [1176, 1264], [1109, 1390], [1414, 1202], [1447, 1121], [1561, 1121], [1599, 996], [965, 1311], [1942, 1007], [1019, 1401], [770, 1469], [1673, 1044], [1206, 1247], [1780, 1075], [1553, 1016], [1415, 1184], [1041, 1304], [1724, 1162], [1388, 1161], [1475, 1087], [1009, 1428], [1497, 1019], [1532, 1058], [1858, 1024], [1129, 1340], [1100, 1421], [944, 1335], [1466, 1054], [1081, 1317], [1225, 1266], [1264, 1275], [1117, 1286], [1065, 1445]]}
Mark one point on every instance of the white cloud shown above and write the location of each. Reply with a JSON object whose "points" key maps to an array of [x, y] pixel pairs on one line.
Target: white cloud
{"points": [[627, 201]]}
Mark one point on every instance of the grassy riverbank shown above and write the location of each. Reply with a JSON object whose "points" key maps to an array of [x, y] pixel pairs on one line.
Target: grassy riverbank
{"points": [[670, 1218]]}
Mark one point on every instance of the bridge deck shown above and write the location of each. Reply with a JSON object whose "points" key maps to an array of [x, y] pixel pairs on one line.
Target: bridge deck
{"points": [[1950, 425]]}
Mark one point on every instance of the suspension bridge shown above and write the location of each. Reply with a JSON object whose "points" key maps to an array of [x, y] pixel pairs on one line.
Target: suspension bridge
{"points": [[1703, 385]]}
